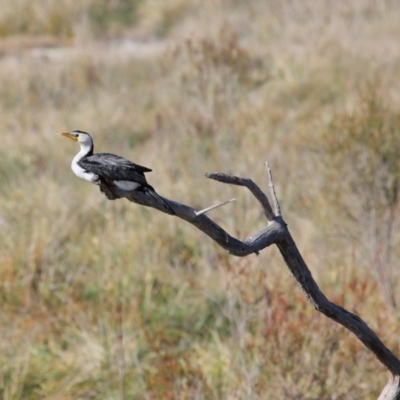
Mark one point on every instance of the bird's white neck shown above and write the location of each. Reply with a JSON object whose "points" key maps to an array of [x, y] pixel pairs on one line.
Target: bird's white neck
{"points": [[78, 170], [84, 151]]}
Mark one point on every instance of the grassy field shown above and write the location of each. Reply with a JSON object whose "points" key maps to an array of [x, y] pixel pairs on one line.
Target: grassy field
{"points": [[110, 300]]}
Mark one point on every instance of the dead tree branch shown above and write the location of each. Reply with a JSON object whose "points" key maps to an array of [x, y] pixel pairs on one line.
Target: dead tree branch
{"points": [[276, 232]]}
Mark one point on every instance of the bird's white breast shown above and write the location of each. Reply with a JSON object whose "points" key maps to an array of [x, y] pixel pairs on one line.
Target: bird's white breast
{"points": [[81, 173]]}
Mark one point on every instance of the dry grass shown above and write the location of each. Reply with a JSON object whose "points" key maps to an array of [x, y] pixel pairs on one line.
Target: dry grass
{"points": [[110, 300]]}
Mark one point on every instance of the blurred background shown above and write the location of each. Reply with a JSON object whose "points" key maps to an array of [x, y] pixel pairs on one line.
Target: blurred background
{"points": [[110, 300]]}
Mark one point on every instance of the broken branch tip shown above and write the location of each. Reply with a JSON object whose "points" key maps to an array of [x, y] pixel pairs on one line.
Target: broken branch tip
{"points": [[197, 213]]}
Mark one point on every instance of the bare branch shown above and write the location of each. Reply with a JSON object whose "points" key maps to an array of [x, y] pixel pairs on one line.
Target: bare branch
{"points": [[392, 390], [240, 248], [276, 232], [272, 191], [205, 210]]}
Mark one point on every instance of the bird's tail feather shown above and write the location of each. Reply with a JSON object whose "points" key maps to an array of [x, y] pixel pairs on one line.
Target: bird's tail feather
{"points": [[159, 199]]}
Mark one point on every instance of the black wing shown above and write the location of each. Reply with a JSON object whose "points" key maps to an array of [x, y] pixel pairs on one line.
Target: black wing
{"points": [[114, 168]]}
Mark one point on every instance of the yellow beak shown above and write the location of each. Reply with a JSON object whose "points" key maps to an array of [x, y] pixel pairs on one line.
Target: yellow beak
{"points": [[69, 136]]}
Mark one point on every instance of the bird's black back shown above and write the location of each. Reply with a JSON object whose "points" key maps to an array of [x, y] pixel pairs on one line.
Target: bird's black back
{"points": [[115, 168]]}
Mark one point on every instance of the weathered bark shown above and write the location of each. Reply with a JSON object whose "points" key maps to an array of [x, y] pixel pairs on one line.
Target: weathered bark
{"points": [[276, 232]]}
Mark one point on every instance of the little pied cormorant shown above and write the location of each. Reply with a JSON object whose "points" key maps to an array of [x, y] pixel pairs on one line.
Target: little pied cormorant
{"points": [[109, 170]]}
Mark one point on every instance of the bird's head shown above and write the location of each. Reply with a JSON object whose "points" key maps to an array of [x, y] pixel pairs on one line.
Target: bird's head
{"points": [[81, 137]]}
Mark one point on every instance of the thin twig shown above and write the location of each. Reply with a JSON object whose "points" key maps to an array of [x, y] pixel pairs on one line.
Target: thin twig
{"points": [[272, 191], [205, 210]]}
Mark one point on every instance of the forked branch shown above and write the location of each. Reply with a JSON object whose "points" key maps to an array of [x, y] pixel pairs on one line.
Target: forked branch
{"points": [[276, 232]]}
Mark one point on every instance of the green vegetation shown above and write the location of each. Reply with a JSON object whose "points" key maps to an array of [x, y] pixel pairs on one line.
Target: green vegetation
{"points": [[112, 300], [61, 18]]}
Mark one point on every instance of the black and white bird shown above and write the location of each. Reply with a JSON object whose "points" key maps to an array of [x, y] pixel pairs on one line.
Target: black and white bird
{"points": [[109, 170]]}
